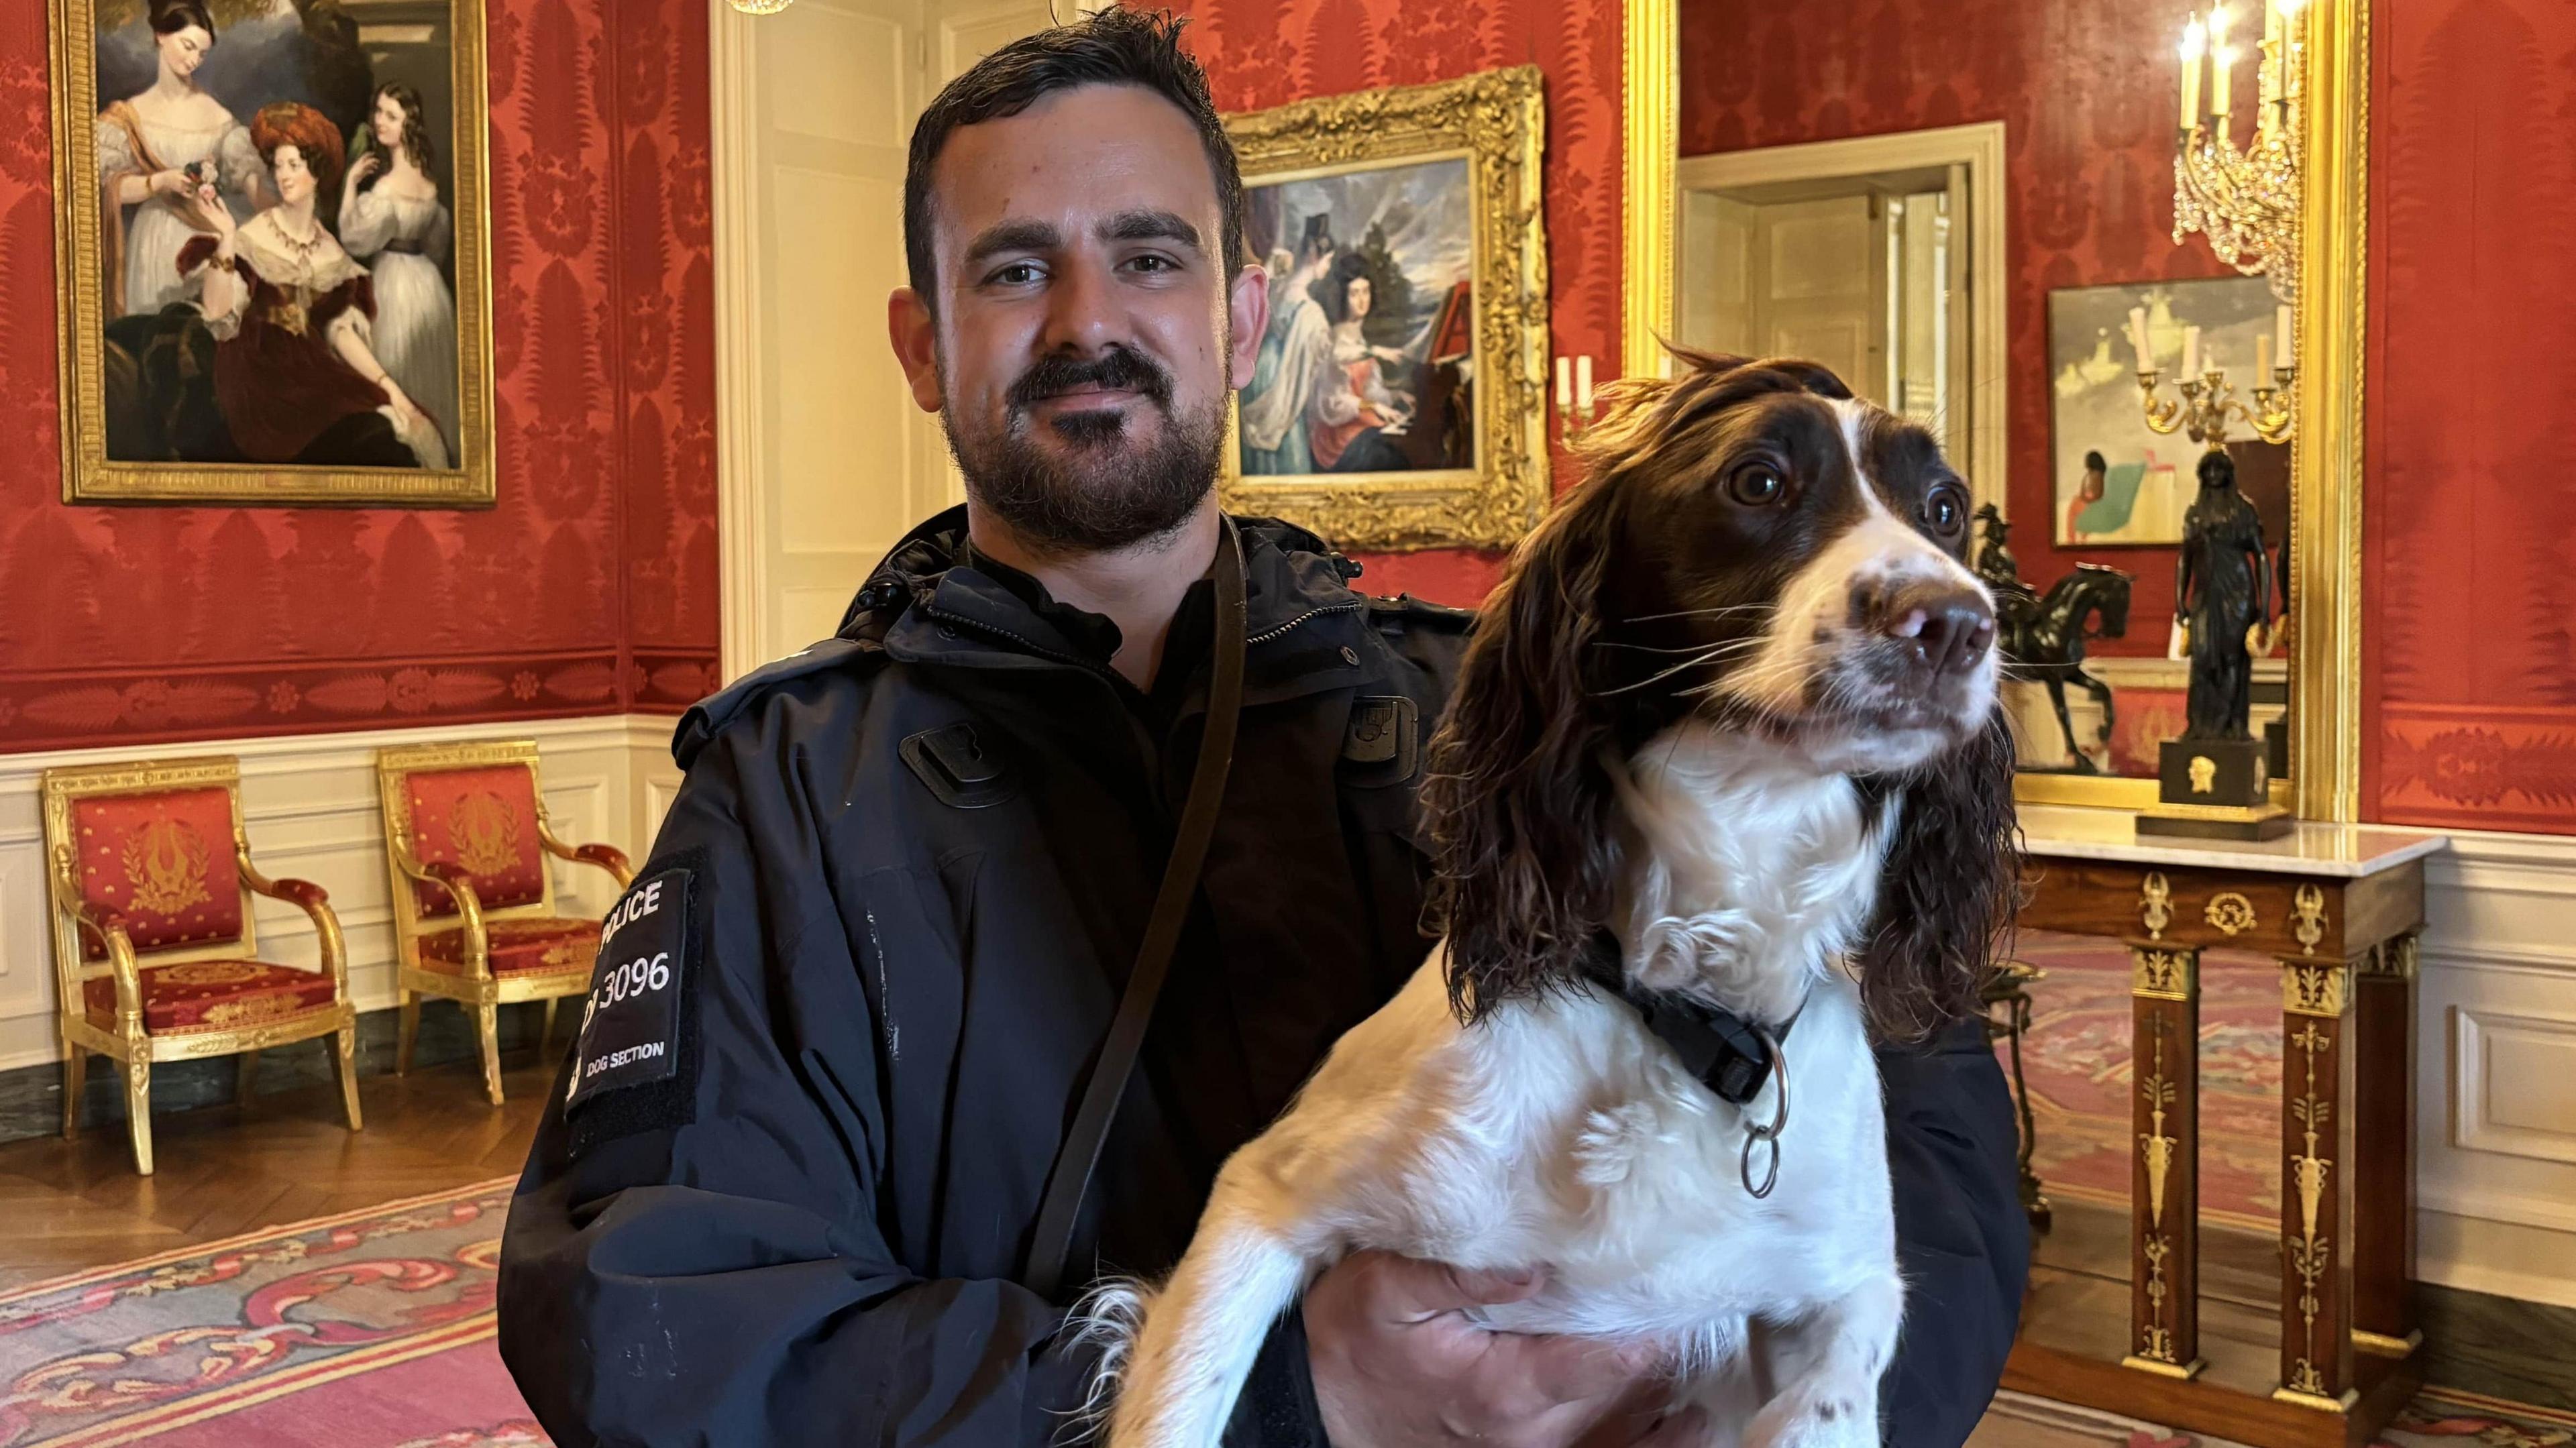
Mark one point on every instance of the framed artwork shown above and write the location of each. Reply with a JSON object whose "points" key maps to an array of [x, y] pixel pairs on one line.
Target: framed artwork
{"points": [[2117, 483], [271, 252], [1398, 401]]}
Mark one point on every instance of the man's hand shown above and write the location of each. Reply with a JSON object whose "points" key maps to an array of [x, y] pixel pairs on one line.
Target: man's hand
{"points": [[1397, 1365]]}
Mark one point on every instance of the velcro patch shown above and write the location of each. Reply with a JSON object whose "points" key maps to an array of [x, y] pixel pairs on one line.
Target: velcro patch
{"points": [[630, 1026]]}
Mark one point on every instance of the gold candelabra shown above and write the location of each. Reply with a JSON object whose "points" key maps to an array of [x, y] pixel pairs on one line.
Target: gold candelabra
{"points": [[2210, 399], [2246, 201]]}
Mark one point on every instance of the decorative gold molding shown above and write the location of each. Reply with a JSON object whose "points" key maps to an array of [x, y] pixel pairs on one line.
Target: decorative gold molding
{"points": [[1651, 135], [2230, 913], [2308, 912], [2155, 904], [2170, 973], [2326, 456], [2315, 990], [2309, 1254], [2393, 959], [80, 313], [1498, 119], [2156, 1146]]}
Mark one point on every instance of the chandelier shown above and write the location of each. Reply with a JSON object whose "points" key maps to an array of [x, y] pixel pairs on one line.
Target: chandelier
{"points": [[2246, 201]]}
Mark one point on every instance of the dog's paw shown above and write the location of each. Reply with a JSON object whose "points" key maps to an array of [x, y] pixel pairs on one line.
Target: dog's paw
{"points": [[1818, 1415]]}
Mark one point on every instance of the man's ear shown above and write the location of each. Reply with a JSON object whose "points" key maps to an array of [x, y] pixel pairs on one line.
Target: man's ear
{"points": [[915, 334], [1248, 304]]}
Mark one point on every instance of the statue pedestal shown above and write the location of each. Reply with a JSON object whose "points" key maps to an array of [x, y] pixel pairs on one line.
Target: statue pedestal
{"points": [[2215, 789]]}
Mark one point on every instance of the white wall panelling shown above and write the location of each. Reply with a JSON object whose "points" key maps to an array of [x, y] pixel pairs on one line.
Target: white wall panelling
{"points": [[309, 807], [2496, 1068]]}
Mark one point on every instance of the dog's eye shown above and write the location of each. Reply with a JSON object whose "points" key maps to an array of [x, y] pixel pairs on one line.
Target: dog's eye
{"points": [[1755, 484], [1944, 513]]}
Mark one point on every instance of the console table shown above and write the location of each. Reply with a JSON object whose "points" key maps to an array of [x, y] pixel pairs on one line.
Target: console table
{"points": [[2337, 907]]}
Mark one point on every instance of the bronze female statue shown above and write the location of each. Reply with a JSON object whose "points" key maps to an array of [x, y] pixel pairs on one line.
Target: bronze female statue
{"points": [[2222, 588]]}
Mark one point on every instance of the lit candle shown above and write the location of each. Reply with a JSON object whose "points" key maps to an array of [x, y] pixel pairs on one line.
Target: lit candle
{"points": [[2191, 354], [1565, 382], [2194, 42], [2263, 360], [2281, 336], [2222, 61], [1583, 380], [2138, 336]]}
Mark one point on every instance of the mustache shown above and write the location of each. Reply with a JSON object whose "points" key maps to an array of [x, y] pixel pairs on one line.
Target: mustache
{"points": [[1117, 368]]}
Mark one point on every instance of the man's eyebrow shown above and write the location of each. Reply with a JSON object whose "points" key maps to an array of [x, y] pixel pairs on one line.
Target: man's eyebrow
{"points": [[1014, 236], [1151, 226]]}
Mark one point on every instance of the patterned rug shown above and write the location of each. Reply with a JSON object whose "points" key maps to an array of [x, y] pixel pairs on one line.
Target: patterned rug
{"points": [[2076, 1061], [2438, 1419], [370, 1330]]}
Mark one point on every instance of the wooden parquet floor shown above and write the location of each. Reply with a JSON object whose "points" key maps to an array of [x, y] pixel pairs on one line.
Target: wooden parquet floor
{"points": [[285, 1157]]}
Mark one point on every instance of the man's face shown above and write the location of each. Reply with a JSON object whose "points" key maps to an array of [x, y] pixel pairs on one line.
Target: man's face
{"points": [[1085, 331]]}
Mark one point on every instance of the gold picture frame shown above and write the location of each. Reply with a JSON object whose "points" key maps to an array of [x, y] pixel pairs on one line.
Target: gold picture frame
{"points": [[79, 52], [1495, 123], [2324, 782]]}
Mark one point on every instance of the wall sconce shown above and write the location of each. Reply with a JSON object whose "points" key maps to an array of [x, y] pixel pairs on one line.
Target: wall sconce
{"points": [[1574, 396]]}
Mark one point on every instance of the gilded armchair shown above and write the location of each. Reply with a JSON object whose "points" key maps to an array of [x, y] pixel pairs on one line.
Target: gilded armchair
{"points": [[475, 916], [149, 884]]}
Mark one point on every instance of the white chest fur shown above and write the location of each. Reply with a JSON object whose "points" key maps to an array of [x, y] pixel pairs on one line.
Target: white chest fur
{"points": [[1560, 1133]]}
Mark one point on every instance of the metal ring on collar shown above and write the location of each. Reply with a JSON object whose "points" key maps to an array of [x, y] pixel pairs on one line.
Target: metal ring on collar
{"points": [[1757, 1134]]}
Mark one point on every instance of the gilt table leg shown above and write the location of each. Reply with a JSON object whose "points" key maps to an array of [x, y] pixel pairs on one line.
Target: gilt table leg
{"points": [[2317, 1183], [2164, 1186]]}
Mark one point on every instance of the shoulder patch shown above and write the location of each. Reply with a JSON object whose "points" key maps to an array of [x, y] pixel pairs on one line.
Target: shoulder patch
{"points": [[1382, 742], [710, 715], [634, 1060]]}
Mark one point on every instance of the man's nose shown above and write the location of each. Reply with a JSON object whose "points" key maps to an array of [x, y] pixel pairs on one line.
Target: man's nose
{"points": [[1082, 316]]}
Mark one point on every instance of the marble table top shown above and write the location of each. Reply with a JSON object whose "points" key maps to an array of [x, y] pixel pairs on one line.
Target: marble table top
{"points": [[2067, 832]]}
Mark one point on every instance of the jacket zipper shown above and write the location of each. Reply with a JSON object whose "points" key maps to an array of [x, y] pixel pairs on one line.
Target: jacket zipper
{"points": [[1266, 635]]}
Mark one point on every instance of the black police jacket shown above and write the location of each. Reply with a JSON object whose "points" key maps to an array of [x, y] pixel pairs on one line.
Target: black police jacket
{"points": [[844, 1015]]}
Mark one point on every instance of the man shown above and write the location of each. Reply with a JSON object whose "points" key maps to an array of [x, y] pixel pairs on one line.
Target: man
{"points": [[788, 1191]]}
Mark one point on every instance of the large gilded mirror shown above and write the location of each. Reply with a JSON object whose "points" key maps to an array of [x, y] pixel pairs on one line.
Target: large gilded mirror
{"points": [[1998, 258]]}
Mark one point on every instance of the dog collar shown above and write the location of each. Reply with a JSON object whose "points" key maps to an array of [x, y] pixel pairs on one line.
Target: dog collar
{"points": [[1731, 1055]]}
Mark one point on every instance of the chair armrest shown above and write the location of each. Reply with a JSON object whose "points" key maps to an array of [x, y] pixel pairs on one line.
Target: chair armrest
{"points": [[606, 857], [469, 907], [109, 926], [313, 900]]}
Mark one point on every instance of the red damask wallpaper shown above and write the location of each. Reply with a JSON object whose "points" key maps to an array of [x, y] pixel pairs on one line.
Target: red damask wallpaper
{"points": [[1262, 53], [590, 589], [2469, 569], [2088, 128]]}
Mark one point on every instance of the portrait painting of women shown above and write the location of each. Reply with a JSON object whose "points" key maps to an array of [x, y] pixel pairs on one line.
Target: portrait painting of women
{"points": [[1368, 364], [1398, 392], [279, 286]]}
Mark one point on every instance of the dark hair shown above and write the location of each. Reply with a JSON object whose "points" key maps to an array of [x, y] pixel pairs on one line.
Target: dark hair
{"points": [[1520, 803], [2093, 463], [1114, 47], [1333, 289], [415, 130], [169, 17]]}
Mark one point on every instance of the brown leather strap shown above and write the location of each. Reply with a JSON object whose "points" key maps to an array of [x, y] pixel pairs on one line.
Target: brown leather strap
{"points": [[1052, 1244]]}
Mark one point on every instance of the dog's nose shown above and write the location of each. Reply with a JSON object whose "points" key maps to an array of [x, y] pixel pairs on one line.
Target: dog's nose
{"points": [[1951, 627]]}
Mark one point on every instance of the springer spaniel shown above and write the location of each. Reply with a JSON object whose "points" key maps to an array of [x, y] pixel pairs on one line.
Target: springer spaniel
{"points": [[1722, 792]]}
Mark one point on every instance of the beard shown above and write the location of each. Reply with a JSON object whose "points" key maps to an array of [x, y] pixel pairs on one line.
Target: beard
{"points": [[1103, 490]]}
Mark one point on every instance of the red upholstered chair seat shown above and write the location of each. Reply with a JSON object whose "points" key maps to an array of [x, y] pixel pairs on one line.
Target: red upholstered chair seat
{"points": [[544, 945], [211, 995]]}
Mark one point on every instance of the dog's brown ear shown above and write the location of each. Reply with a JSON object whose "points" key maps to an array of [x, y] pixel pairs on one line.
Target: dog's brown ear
{"points": [[1517, 800], [1713, 363], [1948, 892]]}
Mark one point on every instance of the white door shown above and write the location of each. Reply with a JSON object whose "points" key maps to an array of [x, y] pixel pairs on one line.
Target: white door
{"points": [[825, 460]]}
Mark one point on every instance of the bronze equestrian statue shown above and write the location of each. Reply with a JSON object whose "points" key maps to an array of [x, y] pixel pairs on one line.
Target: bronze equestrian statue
{"points": [[2043, 638]]}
